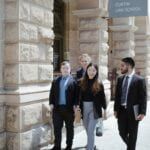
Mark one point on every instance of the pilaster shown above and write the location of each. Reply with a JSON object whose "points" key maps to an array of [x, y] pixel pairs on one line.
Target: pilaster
{"points": [[28, 72], [142, 49], [93, 35], [2, 107], [123, 38]]}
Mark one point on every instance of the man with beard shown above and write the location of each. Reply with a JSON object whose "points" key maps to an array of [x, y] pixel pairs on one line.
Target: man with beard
{"points": [[130, 102]]}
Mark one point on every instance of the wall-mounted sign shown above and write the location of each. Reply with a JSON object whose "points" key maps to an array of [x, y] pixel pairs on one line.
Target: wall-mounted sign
{"points": [[126, 8]]}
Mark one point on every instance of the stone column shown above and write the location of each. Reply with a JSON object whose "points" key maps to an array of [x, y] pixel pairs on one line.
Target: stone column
{"points": [[72, 37], [2, 107], [123, 39], [142, 49], [93, 35], [28, 72]]}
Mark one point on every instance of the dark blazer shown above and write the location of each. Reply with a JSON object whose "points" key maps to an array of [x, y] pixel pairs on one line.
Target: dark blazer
{"points": [[79, 73], [70, 92], [99, 101], [136, 94]]}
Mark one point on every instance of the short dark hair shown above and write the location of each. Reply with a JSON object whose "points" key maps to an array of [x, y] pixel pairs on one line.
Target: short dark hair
{"points": [[129, 60], [64, 63]]}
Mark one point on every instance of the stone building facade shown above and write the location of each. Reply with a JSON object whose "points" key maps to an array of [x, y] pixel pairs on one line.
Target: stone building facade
{"points": [[27, 37]]}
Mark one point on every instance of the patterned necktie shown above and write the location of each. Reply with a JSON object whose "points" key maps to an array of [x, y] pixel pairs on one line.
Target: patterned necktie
{"points": [[124, 90]]}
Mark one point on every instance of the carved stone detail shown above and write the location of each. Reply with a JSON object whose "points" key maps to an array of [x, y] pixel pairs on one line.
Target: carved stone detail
{"points": [[24, 52], [49, 55], [31, 115], [2, 141], [24, 11], [2, 119], [11, 74], [37, 15], [12, 140], [28, 73], [46, 35], [45, 72], [12, 118]]}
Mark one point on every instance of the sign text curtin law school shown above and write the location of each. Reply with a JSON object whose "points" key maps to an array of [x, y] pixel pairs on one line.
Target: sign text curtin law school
{"points": [[126, 8]]}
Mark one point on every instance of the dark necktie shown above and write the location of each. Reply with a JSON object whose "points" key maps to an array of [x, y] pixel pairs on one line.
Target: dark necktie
{"points": [[124, 90]]}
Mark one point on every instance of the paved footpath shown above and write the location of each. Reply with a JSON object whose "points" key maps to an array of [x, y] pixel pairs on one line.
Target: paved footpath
{"points": [[111, 139]]}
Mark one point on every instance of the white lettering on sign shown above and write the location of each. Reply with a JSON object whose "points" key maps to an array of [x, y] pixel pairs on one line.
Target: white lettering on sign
{"points": [[125, 7], [128, 9], [132, 9], [122, 4]]}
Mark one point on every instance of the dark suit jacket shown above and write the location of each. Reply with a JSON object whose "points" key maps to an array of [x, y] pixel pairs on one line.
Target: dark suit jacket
{"points": [[79, 73], [99, 101], [136, 94], [70, 92]]}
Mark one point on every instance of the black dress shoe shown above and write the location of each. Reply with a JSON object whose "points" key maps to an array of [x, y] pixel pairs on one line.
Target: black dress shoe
{"points": [[68, 148], [56, 148]]}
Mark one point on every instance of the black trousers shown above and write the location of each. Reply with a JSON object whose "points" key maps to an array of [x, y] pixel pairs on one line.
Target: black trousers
{"points": [[61, 115], [128, 128]]}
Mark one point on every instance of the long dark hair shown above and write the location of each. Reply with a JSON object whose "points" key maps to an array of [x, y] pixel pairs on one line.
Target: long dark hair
{"points": [[96, 83]]}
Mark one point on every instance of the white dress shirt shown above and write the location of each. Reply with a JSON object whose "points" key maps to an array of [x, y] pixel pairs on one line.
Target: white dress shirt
{"points": [[129, 82]]}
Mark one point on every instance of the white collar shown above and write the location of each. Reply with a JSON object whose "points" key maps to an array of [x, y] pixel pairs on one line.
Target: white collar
{"points": [[131, 74]]}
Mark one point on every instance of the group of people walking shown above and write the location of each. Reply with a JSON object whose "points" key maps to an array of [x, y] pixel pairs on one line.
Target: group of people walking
{"points": [[86, 92]]}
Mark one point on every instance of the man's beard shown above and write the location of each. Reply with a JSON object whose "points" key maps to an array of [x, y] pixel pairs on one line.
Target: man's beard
{"points": [[124, 71]]}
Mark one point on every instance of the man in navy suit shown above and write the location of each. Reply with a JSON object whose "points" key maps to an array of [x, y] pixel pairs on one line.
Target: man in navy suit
{"points": [[130, 99], [62, 103], [84, 60]]}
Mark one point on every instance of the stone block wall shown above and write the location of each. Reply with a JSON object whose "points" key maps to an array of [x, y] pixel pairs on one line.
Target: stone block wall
{"points": [[29, 38], [2, 107], [28, 126], [92, 35], [142, 49], [28, 72], [2, 127], [1, 40], [72, 38], [142, 45], [123, 39]]}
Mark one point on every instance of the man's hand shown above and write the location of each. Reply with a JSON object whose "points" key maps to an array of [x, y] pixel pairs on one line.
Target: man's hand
{"points": [[140, 117], [115, 114]]}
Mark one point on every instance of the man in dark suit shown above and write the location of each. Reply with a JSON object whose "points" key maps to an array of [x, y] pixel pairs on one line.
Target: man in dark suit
{"points": [[130, 99], [62, 104], [84, 60]]}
